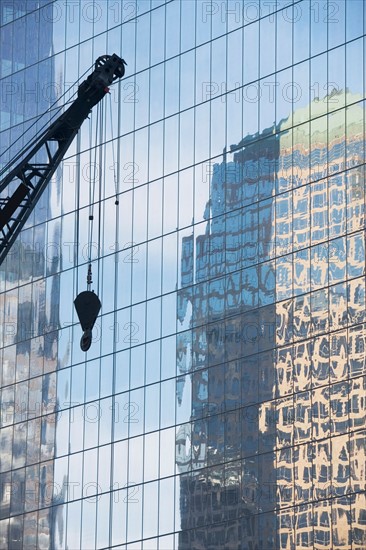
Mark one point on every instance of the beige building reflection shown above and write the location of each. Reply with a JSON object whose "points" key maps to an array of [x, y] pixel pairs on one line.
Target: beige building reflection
{"points": [[320, 465]]}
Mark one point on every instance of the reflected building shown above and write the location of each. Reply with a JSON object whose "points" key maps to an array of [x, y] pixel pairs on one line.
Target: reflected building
{"points": [[29, 296], [321, 392], [226, 453], [274, 293]]}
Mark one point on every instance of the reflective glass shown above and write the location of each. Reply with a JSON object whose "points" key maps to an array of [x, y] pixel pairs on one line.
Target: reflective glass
{"points": [[221, 403]]}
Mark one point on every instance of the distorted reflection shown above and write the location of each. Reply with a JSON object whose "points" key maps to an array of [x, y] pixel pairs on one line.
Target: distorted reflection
{"points": [[246, 405]]}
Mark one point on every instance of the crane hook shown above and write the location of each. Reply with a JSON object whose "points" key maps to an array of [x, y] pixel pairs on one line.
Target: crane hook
{"points": [[87, 305]]}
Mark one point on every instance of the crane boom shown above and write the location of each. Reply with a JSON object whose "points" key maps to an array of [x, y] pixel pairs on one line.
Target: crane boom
{"points": [[29, 177]]}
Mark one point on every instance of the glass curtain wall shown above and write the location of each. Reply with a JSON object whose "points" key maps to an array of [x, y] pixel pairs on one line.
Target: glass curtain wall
{"points": [[222, 402], [29, 295]]}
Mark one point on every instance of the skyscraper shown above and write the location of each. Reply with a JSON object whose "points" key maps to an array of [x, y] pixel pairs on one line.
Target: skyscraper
{"points": [[222, 402]]}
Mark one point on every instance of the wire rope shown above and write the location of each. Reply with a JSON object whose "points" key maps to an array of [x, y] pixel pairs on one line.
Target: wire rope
{"points": [[116, 182], [92, 186]]}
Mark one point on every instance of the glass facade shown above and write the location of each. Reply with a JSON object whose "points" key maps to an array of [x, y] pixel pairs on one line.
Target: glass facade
{"points": [[222, 402], [29, 294]]}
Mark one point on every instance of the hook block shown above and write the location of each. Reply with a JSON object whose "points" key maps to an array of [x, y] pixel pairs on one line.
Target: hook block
{"points": [[87, 305]]}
